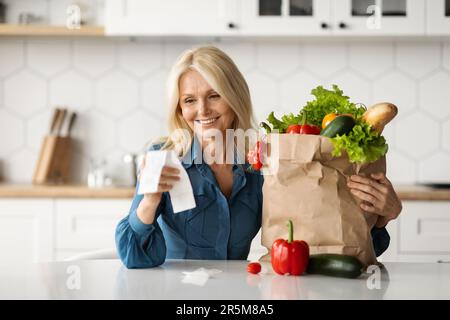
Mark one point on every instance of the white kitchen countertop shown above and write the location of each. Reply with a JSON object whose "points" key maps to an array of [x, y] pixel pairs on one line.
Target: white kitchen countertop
{"points": [[109, 279]]}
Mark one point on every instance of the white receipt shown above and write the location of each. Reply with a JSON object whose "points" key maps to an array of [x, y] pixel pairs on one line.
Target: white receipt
{"points": [[181, 194], [199, 277]]}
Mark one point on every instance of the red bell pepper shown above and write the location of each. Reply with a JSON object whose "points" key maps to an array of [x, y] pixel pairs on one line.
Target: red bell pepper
{"points": [[254, 156], [289, 256], [303, 128]]}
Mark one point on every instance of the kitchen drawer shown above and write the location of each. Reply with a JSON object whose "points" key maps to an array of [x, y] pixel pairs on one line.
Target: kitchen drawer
{"points": [[88, 224], [424, 227]]}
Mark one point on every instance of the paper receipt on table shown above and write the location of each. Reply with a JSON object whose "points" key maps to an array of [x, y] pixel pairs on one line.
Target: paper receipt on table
{"points": [[181, 195]]}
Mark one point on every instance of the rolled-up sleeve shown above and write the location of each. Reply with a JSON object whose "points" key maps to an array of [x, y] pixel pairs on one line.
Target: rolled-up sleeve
{"points": [[381, 240], [140, 245]]}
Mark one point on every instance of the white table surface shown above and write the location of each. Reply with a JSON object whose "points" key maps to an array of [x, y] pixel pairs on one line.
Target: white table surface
{"points": [[109, 279]]}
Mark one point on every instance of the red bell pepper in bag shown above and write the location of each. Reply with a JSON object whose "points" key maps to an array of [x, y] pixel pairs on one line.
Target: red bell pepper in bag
{"points": [[290, 256]]}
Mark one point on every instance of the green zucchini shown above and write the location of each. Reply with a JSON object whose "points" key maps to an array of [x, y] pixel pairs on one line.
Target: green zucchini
{"points": [[336, 265], [339, 126]]}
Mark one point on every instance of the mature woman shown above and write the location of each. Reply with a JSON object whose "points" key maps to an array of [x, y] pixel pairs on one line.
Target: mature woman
{"points": [[207, 92]]}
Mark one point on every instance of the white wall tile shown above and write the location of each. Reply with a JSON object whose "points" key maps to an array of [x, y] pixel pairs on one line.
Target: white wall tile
{"points": [[353, 86], [37, 127], [116, 94], [264, 94], [71, 89], [79, 166], [324, 59], [137, 129], [140, 58], [49, 56], [94, 57], [278, 59], [418, 59], [11, 133], [295, 91], [96, 133], [400, 169], [417, 143], [241, 52], [397, 89], [371, 59], [11, 56], [21, 166], [435, 94], [446, 135], [153, 92], [446, 56], [25, 103], [435, 168]]}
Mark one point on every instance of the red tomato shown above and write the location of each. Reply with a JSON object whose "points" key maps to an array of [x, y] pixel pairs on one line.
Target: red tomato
{"points": [[254, 267]]}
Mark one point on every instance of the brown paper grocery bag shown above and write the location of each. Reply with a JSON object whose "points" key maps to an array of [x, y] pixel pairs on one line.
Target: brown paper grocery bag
{"points": [[303, 182]]}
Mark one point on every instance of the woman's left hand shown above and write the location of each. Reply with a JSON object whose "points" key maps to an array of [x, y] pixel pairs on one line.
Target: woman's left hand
{"points": [[378, 196]]}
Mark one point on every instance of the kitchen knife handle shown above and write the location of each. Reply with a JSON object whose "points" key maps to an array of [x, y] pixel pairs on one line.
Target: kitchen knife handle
{"points": [[54, 120], [60, 121], [72, 118]]}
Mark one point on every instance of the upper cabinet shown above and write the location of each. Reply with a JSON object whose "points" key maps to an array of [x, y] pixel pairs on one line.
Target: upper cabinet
{"points": [[277, 17], [379, 17], [438, 17], [285, 17], [171, 17], [333, 17]]}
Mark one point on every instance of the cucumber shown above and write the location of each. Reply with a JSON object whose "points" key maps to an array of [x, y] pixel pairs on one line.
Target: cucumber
{"points": [[336, 265], [339, 126]]}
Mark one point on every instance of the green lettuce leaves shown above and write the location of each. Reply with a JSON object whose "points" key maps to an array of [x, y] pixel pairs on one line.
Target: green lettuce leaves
{"points": [[329, 101], [362, 144]]}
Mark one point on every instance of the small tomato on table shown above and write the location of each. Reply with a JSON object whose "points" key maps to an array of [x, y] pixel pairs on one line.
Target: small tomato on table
{"points": [[254, 267]]}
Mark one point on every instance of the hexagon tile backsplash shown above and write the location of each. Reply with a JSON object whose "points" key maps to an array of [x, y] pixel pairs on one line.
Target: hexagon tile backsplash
{"points": [[117, 88]]}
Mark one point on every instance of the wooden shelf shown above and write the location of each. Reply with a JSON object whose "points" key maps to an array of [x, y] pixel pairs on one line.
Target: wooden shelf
{"points": [[63, 191], [47, 30]]}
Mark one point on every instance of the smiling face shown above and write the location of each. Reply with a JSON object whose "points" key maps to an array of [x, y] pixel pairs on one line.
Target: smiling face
{"points": [[201, 106]]}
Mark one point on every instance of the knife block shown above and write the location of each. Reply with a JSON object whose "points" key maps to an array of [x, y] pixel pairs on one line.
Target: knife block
{"points": [[53, 166]]}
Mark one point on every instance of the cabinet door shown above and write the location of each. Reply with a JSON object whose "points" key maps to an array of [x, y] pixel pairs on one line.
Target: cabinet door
{"points": [[425, 227], [89, 223], [171, 17], [438, 17], [285, 17], [26, 230], [379, 17]]}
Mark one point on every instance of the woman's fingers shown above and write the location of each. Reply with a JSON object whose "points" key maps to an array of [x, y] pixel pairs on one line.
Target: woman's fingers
{"points": [[382, 188], [166, 170], [164, 187], [366, 188], [381, 178]]}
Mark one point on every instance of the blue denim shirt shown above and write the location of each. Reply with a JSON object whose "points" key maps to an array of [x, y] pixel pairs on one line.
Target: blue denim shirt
{"points": [[217, 228]]}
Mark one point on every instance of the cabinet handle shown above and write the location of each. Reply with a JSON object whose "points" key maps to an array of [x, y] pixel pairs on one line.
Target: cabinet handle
{"points": [[343, 25], [231, 25], [324, 25]]}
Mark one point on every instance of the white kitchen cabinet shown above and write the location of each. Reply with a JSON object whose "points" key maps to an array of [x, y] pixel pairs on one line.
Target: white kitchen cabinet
{"points": [[36, 230], [379, 17], [285, 17], [438, 17], [421, 233], [26, 230], [171, 17], [88, 224]]}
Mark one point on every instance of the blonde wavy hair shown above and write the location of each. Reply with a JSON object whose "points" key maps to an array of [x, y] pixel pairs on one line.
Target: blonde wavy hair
{"points": [[222, 74]]}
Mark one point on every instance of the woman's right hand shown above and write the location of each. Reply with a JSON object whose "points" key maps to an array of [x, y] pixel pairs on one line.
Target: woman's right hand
{"points": [[147, 207]]}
